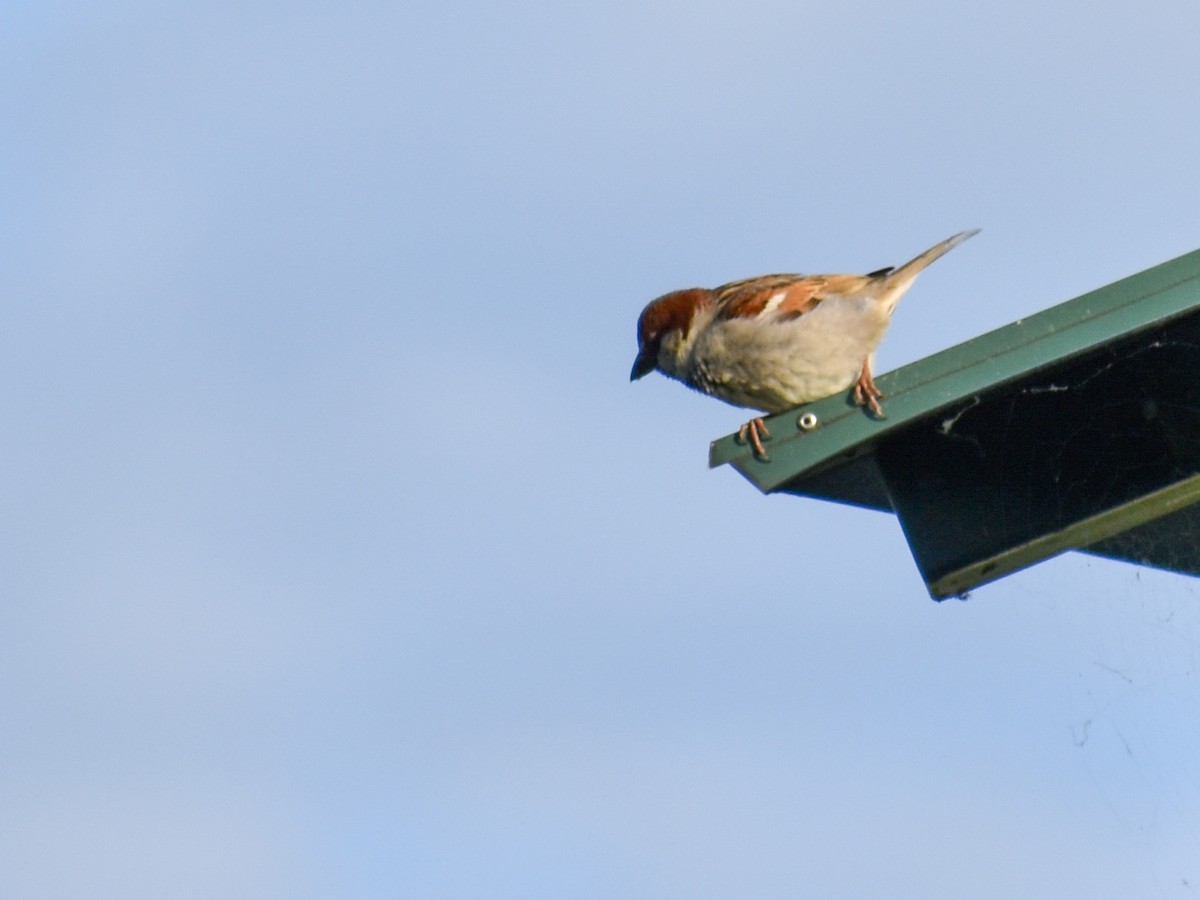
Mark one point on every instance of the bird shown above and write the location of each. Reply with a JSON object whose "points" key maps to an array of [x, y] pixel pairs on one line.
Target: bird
{"points": [[773, 342]]}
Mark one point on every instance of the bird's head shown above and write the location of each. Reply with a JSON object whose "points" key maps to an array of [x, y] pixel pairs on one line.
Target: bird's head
{"points": [[666, 330]]}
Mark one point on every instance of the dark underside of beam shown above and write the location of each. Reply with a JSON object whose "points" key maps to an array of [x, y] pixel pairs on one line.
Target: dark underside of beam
{"points": [[1070, 458]]}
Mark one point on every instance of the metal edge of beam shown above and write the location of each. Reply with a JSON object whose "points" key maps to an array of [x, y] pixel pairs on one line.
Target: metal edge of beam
{"points": [[1077, 536], [962, 372]]}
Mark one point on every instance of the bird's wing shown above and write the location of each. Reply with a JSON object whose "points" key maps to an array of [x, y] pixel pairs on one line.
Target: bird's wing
{"points": [[782, 297]]}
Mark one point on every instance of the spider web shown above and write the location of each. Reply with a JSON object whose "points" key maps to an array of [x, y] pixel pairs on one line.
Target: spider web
{"points": [[1127, 688], [1065, 445]]}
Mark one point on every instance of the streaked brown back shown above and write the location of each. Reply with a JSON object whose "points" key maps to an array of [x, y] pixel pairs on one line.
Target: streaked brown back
{"points": [[753, 297]]}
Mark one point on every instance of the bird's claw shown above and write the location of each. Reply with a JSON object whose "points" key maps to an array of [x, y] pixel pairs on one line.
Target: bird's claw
{"points": [[752, 433], [866, 393]]}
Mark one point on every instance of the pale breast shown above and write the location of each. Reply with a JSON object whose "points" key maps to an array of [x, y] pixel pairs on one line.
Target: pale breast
{"points": [[773, 366]]}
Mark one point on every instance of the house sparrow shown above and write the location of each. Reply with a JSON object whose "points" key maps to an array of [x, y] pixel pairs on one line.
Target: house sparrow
{"points": [[777, 341]]}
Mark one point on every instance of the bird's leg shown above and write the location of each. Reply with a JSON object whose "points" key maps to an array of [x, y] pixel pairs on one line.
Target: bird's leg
{"points": [[866, 393], [753, 432]]}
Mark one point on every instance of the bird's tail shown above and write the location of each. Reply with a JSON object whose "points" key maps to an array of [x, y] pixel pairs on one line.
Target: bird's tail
{"points": [[898, 280]]}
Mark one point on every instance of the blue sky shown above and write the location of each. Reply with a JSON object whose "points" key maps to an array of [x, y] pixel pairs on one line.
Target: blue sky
{"points": [[342, 560]]}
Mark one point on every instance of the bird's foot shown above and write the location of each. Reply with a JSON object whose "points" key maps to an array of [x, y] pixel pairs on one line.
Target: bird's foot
{"points": [[752, 433], [866, 393]]}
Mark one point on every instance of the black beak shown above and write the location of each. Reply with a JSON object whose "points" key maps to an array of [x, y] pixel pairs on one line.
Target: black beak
{"points": [[643, 365]]}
